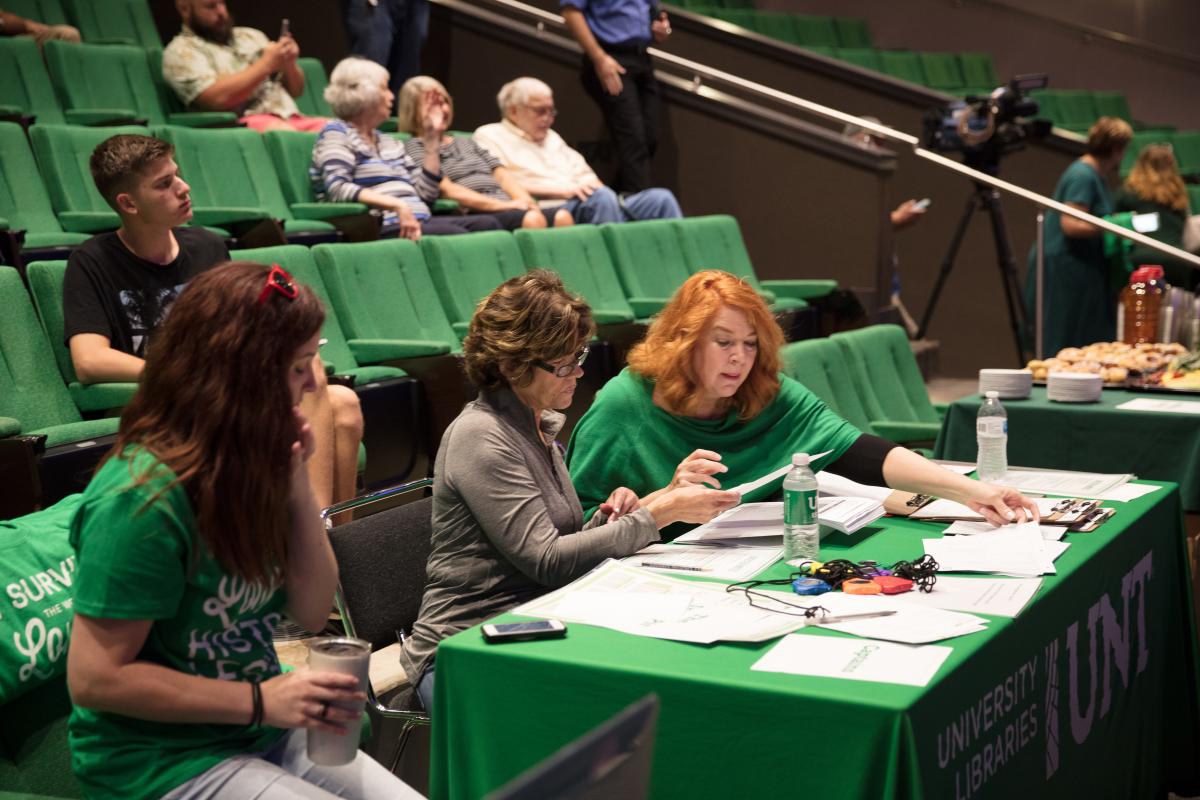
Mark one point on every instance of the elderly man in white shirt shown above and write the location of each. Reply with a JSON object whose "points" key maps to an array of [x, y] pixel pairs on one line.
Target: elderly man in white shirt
{"points": [[546, 167]]}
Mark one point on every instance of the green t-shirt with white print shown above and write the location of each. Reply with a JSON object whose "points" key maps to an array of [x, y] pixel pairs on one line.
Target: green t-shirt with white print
{"points": [[142, 560]]}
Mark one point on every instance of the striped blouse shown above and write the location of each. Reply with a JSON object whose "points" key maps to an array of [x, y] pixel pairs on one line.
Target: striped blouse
{"points": [[465, 162], [343, 164]]}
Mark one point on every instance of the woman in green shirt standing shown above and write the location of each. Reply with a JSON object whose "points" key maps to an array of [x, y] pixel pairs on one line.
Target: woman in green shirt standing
{"points": [[197, 534], [702, 402], [1079, 307], [1154, 186]]}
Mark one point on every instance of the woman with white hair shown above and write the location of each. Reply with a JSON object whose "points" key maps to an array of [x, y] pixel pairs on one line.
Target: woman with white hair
{"points": [[474, 178], [354, 162]]}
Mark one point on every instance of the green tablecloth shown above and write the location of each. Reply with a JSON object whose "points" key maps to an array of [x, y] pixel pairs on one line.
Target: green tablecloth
{"points": [[1091, 692], [1092, 437]]}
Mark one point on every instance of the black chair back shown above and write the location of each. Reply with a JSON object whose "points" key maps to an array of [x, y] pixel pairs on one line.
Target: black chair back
{"points": [[381, 563]]}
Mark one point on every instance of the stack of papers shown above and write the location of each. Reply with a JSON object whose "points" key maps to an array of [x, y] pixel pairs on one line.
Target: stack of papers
{"points": [[726, 563], [761, 524], [947, 510], [647, 603], [1063, 482], [1002, 597], [1012, 550]]}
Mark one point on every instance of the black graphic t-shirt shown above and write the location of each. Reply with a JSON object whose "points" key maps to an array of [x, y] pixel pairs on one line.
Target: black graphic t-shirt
{"points": [[110, 291]]}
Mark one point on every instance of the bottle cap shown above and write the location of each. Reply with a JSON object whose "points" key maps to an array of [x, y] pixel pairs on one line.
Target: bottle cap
{"points": [[800, 459], [992, 395]]}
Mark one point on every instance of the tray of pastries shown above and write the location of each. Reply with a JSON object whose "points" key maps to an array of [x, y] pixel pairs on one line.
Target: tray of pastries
{"points": [[1117, 363], [1180, 375]]}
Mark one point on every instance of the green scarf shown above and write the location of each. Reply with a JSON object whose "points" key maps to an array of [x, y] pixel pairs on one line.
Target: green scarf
{"points": [[626, 440]]}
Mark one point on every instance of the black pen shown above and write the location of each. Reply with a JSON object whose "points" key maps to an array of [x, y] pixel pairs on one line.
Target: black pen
{"points": [[673, 566]]}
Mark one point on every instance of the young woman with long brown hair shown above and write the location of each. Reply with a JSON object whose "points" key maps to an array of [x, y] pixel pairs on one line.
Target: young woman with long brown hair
{"points": [[197, 534]]}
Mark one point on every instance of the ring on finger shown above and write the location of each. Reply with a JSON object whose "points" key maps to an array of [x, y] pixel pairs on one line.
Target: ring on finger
{"points": [[324, 710]]}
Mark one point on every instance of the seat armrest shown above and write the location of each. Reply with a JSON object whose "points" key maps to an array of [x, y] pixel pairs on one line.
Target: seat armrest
{"points": [[609, 316], [326, 210], [225, 215], [89, 221], [647, 306], [444, 206], [374, 351], [461, 328], [800, 288], [103, 116], [101, 396], [903, 431], [9, 426], [203, 119]]}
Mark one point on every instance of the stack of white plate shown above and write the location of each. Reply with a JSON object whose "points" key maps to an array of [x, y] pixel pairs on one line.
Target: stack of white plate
{"points": [[1012, 384], [1074, 387]]}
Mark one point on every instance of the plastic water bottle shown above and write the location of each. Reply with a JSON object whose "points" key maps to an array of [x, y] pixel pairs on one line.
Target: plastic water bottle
{"points": [[991, 433], [801, 533]]}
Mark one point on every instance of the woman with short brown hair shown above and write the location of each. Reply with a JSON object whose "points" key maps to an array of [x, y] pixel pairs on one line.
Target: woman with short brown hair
{"points": [[507, 524]]}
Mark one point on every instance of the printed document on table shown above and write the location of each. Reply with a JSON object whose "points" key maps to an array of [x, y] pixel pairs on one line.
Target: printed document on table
{"points": [[854, 659], [726, 563], [967, 528], [750, 486], [1001, 597], [645, 602], [1129, 491], [1063, 482], [1162, 406], [960, 469], [761, 524], [942, 509], [1020, 550], [908, 624]]}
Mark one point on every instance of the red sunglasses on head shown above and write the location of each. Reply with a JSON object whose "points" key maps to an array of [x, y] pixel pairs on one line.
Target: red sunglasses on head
{"points": [[279, 281]]}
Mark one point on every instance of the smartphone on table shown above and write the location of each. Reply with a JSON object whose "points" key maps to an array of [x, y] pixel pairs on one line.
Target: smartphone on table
{"points": [[524, 631]]}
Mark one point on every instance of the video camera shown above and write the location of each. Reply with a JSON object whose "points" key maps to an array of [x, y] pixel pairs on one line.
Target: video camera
{"points": [[986, 128]]}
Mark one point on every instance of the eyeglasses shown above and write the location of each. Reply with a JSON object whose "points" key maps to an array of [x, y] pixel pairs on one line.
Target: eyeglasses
{"points": [[566, 369], [277, 280], [543, 111]]}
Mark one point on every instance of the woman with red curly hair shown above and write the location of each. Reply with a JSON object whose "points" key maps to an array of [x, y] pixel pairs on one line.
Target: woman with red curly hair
{"points": [[702, 397]]}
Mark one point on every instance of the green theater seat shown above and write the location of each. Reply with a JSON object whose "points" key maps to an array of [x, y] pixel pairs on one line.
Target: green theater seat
{"points": [[26, 90], [115, 22], [46, 283], [386, 300], [578, 254], [63, 152], [24, 202], [819, 365], [649, 262], [312, 101], [291, 152], [465, 269]]}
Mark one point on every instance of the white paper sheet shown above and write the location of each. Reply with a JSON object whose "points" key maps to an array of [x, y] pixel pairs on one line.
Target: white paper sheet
{"points": [[1130, 491], [761, 524], [1162, 406], [1063, 482], [726, 563], [854, 659], [1002, 597], [910, 624], [1019, 551], [966, 528], [663, 607], [837, 486], [948, 509], [961, 469], [774, 475]]}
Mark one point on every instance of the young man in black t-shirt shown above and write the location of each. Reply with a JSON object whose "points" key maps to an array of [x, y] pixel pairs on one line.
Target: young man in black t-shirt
{"points": [[119, 288]]}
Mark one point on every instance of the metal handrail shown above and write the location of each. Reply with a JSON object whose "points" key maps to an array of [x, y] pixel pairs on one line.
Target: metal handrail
{"points": [[711, 73], [1148, 48]]}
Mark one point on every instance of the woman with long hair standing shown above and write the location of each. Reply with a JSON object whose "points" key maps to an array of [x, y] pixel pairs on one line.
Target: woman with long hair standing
{"points": [[197, 535], [1155, 186]]}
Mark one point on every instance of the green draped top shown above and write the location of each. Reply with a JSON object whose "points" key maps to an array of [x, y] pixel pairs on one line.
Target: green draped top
{"points": [[626, 440]]}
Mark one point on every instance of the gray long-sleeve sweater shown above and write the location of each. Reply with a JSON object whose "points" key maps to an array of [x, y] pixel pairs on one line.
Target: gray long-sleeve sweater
{"points": [[507, 524]]}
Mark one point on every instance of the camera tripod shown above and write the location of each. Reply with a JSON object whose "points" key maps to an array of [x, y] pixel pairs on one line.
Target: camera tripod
{"points": [[987, 198]]}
